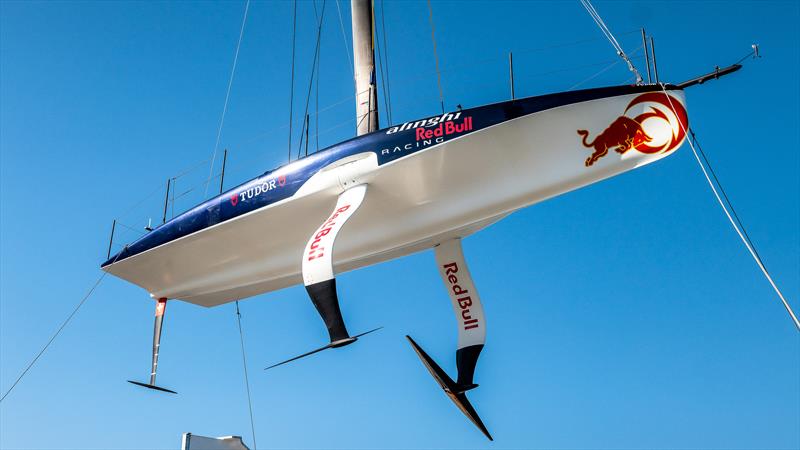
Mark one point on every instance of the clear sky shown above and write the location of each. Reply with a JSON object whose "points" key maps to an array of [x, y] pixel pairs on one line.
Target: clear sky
{"points": [[623, 315]]}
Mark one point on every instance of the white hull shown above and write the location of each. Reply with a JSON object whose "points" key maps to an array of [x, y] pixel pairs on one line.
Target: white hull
{"points": [[445, 191]]}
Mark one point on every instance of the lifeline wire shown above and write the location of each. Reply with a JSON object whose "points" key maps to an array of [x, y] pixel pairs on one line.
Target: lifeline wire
{"points": [[135, 230], [744, 239], [227, 96], [61, 328]]}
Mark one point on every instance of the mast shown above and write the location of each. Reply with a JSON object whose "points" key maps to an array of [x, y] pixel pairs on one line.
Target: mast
{"points": [[364, 67]]}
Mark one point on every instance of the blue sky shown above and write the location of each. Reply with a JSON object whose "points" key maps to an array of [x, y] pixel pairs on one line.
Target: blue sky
{"points": [[623, 315]]}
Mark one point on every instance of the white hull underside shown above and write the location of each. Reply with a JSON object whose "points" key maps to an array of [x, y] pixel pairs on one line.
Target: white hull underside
{"points": [[413, 203]]}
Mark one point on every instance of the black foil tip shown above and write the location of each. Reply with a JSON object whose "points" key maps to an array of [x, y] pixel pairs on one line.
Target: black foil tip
{"points": [[334, 344], [454, 391], [152, 386]]}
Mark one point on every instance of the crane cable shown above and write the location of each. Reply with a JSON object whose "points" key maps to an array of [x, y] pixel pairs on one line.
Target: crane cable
{"points": [[738, 227], [227, 96], [607, 32]]}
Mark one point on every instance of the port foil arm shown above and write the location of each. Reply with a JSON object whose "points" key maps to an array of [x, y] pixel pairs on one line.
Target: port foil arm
{"points": [[467, 308], [471, 330], [318, 276]]}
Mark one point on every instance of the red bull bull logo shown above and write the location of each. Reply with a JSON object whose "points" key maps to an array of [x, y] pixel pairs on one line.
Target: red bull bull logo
{"points": [[658, 130]]}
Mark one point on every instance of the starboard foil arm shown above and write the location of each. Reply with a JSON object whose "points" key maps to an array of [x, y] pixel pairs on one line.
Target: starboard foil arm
{"points": [[161, 308], [317, 269], [471, 329]]}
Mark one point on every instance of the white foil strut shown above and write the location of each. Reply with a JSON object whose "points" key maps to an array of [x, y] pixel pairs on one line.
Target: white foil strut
{"points": [[463, 294], [317, 256]]}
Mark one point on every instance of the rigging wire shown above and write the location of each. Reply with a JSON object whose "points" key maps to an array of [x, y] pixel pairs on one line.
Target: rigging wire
{"points": [[363, 116], [722, 190], [753, 53], [570, 43], [311, 80], [346, 45], [504, 57], [316, 111], [339, 125], [604, 70], [228, 93], [139, 202], [58, 331], [316, 96], [276, 129], [291, 89], [435, 55], [607, 32], [190, 169], [739, 227], [386, 58], [517, 78], [376, 43]]}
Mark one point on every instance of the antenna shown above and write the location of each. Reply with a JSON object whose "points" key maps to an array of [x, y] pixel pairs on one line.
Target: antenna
{"points": [[111, 240], [307, 124], [653, 52], [166, 202], [224, 162], [511, 72], [646, 56]]}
